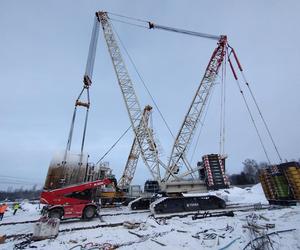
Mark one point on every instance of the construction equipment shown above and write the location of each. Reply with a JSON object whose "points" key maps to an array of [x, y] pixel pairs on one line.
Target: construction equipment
{"points": [[142, 133], [174, 182], [177, 185], [68, 168], [281, 183], [77, 201], [123, 192], [133, 157]]}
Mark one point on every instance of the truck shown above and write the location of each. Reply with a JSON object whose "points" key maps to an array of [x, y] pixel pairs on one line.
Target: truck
{"points": [[75, 201]]}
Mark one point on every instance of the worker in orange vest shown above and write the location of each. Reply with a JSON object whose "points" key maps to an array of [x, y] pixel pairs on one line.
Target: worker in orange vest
{"points": [[3, 208]]}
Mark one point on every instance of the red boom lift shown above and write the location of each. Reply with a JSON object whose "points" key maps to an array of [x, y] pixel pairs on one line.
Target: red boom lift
{"points": [[76, 201]]}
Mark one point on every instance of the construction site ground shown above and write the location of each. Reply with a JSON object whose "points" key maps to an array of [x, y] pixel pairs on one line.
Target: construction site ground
{"points": [[141, 230]]}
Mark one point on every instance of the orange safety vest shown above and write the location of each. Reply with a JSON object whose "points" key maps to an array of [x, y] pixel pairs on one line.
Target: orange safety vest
{"points": [[3, 209]]}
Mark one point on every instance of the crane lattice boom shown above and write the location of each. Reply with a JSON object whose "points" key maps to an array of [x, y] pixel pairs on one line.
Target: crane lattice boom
{"points": [[193, 116], [133, 157], [143, 134]]}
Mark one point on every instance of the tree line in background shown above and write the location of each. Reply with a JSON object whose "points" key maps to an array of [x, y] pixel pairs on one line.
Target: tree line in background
{"points": [[250, 173], [20, 193]]}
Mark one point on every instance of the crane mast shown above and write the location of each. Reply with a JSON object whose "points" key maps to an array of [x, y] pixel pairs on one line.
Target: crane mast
{"points": [[142, 133], [195, 111], [133, 157]]}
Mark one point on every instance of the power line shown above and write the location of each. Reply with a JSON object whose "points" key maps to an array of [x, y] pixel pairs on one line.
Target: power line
{"points": [[17, 178]]}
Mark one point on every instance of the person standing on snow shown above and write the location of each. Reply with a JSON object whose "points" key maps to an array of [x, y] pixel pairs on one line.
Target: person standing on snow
{"points": [[16, 207], [3, 208]]}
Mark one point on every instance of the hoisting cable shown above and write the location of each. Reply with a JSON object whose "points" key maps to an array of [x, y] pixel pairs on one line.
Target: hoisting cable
{"points": [[247, 106], [256, 104], [86, 119], [132, 24], [113, 145], [224, 114], [86, 105], [71, 130], [144, 84], [222, 110], [69, 143], [127, 17]]}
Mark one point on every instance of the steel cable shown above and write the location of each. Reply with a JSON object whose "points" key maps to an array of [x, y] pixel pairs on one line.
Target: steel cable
{"points": [[144, 84], [262, 117], [252, 118], [115, 143]]}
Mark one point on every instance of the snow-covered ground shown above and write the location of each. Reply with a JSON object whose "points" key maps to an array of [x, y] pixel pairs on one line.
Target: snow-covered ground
{"points": [[174, 233]]}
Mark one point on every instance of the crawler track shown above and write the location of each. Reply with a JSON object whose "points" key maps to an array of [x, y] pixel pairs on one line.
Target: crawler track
{"points": [[233, 208]]}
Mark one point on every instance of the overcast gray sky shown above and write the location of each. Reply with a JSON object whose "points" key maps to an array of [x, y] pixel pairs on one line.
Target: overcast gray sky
{"points": [[43, 50]]}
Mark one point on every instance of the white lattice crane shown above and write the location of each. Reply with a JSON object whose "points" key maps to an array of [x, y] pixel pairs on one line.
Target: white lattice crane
{"points": [[132, 160]]}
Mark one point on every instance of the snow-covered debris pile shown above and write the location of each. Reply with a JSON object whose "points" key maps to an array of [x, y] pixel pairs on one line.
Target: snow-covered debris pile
{"points": [[254, 194]]}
